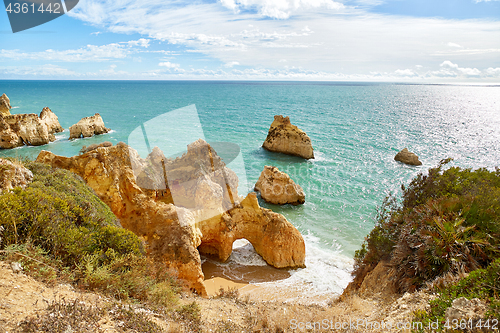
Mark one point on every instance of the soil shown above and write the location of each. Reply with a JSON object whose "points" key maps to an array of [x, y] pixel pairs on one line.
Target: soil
{"points": [[22, 297]]}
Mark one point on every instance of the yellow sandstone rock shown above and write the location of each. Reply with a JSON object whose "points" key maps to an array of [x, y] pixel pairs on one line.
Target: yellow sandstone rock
{"points": [[283, 137], [278, 188], [87, 127], [209, 221]]}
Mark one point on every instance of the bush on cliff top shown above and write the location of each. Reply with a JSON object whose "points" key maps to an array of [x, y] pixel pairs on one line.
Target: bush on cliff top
{"points": [[59, 213], [59, 229], [447, 222], [482, 283]]}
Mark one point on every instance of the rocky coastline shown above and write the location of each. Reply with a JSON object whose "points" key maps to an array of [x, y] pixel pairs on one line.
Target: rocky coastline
{"points": [[187, 206], [199, 214], [18, 130]]}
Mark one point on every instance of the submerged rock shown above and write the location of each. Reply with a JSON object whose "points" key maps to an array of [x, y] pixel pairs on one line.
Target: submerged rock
{"points": [[87, 127], [283, 137], [197, 209], [278, 188], [28, 129], [5, 105], [12, 175], [407, 157]]}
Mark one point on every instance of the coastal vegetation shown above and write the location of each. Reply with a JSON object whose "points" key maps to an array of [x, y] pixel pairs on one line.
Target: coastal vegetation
{"points": [[446, 226], [61, 232], [442, 235]]}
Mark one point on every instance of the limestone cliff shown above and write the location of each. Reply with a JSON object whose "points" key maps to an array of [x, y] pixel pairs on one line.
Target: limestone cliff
{"points": [[20, 129], [283, 137], [278, 188], [87, 127], [13, 174], [5, 105], [178, 214], [28, 129]]}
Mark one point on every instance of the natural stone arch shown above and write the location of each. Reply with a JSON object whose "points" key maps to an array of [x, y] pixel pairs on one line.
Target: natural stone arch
{"points": [[173, 234], [274, 238]]}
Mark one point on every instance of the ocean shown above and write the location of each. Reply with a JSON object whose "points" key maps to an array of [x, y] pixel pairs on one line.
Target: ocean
{"points": [[356, 130]]}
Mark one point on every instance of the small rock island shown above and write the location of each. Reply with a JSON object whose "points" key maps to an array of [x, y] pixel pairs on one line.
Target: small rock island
{"points": [[407, 157], [283, 137], [278, 188], [87, 127], [17, 130]]}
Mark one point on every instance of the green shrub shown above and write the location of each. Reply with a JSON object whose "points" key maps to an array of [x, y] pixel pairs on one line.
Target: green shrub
{"points": [[59, 213], [448, 222], [59, 229], [130, 276], [482, 283]]}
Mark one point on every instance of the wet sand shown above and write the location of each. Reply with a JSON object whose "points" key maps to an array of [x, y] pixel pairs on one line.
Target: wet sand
{"points": [[242, 273], [248, 279], [230, 276]]}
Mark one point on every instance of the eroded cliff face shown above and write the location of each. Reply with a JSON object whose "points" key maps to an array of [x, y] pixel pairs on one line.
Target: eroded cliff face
{"points": [[5, 105], [87, 127], [194, 208], [50, 120], [278, 188], [28, 129], [13, 174], [283, 137]]}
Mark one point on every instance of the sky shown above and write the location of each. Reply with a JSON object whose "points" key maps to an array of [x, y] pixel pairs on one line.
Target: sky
{"points": [[421, 41]]}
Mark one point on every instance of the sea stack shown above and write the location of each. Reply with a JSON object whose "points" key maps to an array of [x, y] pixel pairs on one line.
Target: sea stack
{"points": [[28, 129], [50, 120], [5, 105], [87, 127], [278, 188], [407, 157], [283, 137]]}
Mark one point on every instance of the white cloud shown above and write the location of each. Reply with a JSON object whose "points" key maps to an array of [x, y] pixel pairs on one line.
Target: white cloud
{"points": [[446, 72], [46, 71], [231, 64], [168, 64], [449, 64], [142, 42], [405, 72], [316, 38], [450, 44], [280, 9], [450, 69], [84, 54], [494, 72]]}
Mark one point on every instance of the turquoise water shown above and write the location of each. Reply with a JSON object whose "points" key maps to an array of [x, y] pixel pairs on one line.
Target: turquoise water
{"points": [[356, 129]]}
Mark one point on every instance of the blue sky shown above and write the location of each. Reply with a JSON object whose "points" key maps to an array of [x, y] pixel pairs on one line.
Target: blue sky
{"points": [[424, 41]]}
